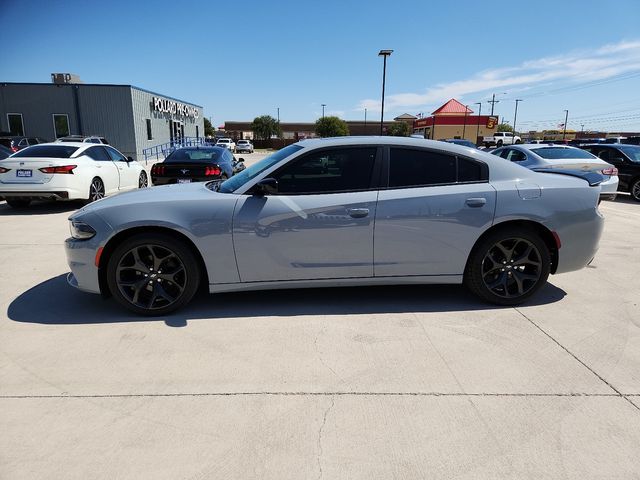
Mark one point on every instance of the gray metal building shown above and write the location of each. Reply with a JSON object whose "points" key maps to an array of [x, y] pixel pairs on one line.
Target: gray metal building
{"points": [[130, 118]]}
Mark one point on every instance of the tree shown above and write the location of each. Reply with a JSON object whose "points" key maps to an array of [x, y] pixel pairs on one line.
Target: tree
{"points": [[398, 129], [265, 126], [209, 131], [331, 127], [505, 127]]}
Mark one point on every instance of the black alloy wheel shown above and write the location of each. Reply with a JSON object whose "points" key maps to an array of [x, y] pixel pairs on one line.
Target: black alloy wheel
{"points": [[152, 274], [635, 190], [143, 181], [96, 190], [508, 266]]}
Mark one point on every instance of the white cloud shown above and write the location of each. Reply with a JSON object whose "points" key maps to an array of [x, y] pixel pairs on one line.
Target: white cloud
{"points": [[602, 63]]}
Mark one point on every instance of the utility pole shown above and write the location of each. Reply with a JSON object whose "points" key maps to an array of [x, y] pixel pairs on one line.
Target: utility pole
{"points": [[582, 127], [566, 118], [278, 115], [515, 116], [464, 126], [493, 101], [479, 113], [365, 121], [323, 105]]}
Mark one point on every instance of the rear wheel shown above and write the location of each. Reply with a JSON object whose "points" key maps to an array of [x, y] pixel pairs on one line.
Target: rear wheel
{"points": [[508, 266], [96, 190], [499, 144], [18, 202], [153, 274], [635, 190]]}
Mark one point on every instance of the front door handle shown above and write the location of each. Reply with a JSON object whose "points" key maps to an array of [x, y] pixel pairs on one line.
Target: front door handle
{"points": [[358, 212], [476, 202]]}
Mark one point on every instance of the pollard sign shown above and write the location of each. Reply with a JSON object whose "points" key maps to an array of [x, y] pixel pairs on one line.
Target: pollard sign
{"points": [[174, 108]]}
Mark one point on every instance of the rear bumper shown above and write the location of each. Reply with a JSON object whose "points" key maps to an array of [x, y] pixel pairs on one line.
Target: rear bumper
{"points": [[609, 187], [59, 190], [173, 180], [580, 241], [62, 195]]}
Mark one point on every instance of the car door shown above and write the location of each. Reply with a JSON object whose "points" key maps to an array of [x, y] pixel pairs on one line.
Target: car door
{"points": [[429, 217], [616, 158], [104, 168], [320, 223], [129, 172]]}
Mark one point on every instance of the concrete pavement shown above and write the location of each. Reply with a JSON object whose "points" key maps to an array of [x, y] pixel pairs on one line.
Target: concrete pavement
{"points": [[402, 382]]}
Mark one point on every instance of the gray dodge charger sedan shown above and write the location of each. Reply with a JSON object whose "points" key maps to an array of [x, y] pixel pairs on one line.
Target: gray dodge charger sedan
{"points": [[338, 212]]}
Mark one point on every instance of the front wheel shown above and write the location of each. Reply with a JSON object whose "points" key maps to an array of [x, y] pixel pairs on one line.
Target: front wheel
{"points": [[508, 266], [153, 274], [499, 144], [143, 180], [635, 190]]}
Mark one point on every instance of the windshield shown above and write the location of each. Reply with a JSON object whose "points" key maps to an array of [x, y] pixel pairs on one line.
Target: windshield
{"points": [[256, 169], [561, 153], [47, 151], [187, 155], [631, 151]]}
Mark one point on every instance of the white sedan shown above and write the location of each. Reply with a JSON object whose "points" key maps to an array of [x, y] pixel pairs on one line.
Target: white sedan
{"points": [[67, 171]]}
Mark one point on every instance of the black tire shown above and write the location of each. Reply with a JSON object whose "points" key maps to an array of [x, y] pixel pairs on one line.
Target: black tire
{"points": [[508, 266], [136, 280], [96, 190], [518, 142], [17, 202], [634, 189], [499, 144], [143, 180]]}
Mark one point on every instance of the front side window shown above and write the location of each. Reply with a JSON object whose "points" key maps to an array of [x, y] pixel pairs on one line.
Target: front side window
{"points": [[328, 171], [61, 125], [16, 126]]}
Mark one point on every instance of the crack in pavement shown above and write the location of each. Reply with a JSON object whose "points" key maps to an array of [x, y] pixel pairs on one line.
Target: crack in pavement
{"points": [[324, 422], [602, 379], [322, 394]]}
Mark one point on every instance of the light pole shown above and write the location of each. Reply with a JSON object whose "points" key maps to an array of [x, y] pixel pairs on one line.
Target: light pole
{"points": [[278, 114], [365, 121], [582, 127], [515, 116], [564, 130], [464, 126], [384, 54], [323, 105], [479, 113]]}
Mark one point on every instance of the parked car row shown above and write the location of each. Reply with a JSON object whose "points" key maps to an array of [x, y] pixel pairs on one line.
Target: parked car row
{"points": [[15, 143], [241, 146]]}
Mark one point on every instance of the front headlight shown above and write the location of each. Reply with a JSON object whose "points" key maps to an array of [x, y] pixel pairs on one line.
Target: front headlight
{"points": [[81, 230]]}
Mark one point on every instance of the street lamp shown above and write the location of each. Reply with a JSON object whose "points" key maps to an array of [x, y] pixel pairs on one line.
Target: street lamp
{"points": [[479, 113], [515, 116], [564, 130], [464, 126], [278, 114], [365, 121], [323, 105], [384, 54]]}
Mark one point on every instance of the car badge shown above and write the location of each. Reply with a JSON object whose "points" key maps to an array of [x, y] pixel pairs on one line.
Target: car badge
{"points": [[184, 171]]}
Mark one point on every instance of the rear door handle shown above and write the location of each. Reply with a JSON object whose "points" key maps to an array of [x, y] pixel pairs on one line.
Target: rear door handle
{"points": [[476, 202], [358, 212]]}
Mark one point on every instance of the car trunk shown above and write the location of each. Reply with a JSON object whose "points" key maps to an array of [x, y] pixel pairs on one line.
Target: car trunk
{"points": [[27, 170]]}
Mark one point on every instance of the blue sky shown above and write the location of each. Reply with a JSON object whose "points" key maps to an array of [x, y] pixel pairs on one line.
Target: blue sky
{"points": [[245, 59]]}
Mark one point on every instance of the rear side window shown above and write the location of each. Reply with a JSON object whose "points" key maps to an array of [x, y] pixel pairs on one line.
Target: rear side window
{"points": [[416, 168], [98, 153], [47, 151]]}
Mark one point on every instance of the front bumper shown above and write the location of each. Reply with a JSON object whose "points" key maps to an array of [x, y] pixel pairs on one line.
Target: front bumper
{"points": [[81, 256]]}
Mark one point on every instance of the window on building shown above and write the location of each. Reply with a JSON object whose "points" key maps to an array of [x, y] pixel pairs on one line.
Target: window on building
{"points": [[61, 124], [197, 132], [149, 133], [16, 127]]}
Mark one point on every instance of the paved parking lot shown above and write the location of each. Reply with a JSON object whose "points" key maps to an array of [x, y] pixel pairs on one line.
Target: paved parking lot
{"points": [[402, 382]]}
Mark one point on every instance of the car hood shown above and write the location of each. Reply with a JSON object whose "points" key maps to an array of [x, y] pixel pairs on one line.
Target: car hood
{"points": [[169, 194]]}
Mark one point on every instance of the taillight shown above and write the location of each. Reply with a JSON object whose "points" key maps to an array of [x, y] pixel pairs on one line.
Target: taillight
{"points": [[209, 171], [14, 149], [610, 171], [4, 170], [157, 169], [64, 169]]}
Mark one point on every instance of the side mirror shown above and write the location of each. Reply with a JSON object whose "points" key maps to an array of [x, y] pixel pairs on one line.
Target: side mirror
{"points": [[129, 159], [241, 159], [266, 186]]}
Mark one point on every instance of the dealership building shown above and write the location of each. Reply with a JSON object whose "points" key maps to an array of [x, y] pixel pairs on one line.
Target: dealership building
{"points": [[130, 118]]}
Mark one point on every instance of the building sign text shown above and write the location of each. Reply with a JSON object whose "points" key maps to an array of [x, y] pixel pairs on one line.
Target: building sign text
{"points": [[174, 108]]}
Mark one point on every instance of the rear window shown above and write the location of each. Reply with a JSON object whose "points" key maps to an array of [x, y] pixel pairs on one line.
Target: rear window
{"points": [[243, 142], [560, 153], [194, 155], [47, 151], [632, 152]]}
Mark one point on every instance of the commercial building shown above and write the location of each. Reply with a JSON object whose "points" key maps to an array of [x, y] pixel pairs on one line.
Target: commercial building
{"points": [[455, 120], [129, 117]]}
